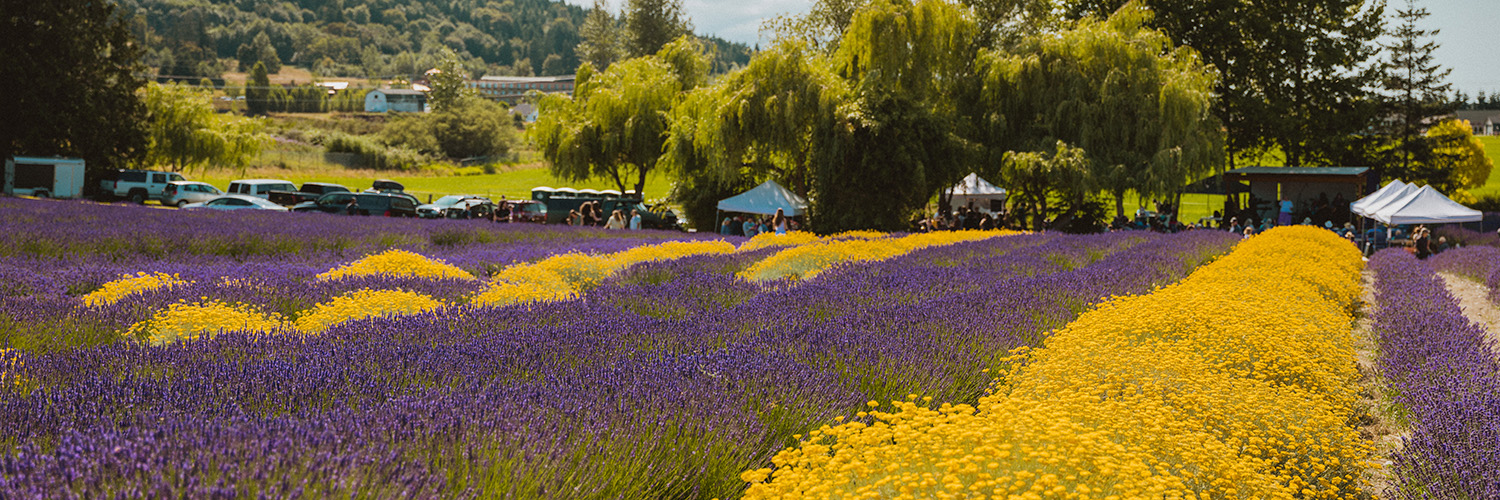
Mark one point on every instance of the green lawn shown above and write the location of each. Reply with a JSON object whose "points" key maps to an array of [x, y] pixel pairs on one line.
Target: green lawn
{"points": [[1492, 150], [513, 185]]}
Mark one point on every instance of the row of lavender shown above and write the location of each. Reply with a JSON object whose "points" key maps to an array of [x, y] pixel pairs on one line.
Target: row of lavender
{"points": [[1444, 375], [667, 380]]}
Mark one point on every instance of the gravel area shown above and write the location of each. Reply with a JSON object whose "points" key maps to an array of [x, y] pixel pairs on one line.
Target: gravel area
{"points": [[1473, 298]]}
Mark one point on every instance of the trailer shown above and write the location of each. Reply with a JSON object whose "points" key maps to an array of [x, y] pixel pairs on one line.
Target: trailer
{"points": [[44, 177]]}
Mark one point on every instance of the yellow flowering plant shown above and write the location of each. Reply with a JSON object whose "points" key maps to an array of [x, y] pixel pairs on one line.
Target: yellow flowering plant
{"points": [[806, 261], [364, 304], [1236, 383], [398, 263], [564, 276], [113, 291], [185, 321]]}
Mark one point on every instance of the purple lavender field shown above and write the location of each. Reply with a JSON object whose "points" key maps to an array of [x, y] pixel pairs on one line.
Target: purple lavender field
{"points": [[666, 380], [1443, 375]]}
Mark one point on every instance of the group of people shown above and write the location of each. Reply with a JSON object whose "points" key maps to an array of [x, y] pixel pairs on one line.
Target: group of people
{"points": [[963, 218], [750, 225], [590, 214]]}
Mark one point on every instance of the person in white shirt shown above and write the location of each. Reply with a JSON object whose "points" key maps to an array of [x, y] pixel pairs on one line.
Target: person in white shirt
{"points": [[616, 221]]}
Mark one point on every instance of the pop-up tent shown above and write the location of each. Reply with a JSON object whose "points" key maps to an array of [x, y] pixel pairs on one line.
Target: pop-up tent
{"points": [[978, 191], [765, 199], [1395, 195], [1362, 205], [1426, 206]]}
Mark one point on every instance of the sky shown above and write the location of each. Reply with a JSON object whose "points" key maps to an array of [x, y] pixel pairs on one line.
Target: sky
{"points": [[1469, 37]]}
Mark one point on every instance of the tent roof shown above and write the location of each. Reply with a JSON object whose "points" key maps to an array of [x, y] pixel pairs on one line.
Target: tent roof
{"points": [[1394, 196], [1426, 206], [973, 185], [765, 199], [1362, 205]]}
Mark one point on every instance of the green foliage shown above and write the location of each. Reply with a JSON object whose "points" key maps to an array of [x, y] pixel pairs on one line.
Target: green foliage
{"points": [[186, 132], [1457, 162], [615, 124], [448, 83], [652, 24], [258, 51], [258, 91], [602, 37], [472, 127], [70, 81], [1139, 108], [1416, 95], [1293, 75], [371, 153]]}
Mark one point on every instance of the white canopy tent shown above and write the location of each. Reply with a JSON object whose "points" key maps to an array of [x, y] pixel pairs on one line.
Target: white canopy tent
{"points": [[978, 191], [1368, 211], [1426, 206], [1361, 205], [765, 199]]}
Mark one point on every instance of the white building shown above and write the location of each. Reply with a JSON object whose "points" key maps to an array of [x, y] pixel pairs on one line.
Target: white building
{"points": [[398, 100]]}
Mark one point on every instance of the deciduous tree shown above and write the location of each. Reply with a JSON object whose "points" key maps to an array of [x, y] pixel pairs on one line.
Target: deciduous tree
{"points": [[185, 132]]}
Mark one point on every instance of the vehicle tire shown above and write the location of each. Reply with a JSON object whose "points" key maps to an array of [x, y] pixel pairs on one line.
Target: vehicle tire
{"points": [[181, 203], [138, 197]]}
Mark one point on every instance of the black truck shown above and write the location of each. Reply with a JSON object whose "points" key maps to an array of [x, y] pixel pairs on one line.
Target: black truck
{"points": [[310, 191]]}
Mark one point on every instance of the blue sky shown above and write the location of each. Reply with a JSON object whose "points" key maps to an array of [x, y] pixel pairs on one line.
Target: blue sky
{"points": [[1470, 35]]}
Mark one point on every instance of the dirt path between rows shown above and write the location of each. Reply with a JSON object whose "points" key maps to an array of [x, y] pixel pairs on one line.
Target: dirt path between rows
{"points": [[1473, 298], [1377, 420]]}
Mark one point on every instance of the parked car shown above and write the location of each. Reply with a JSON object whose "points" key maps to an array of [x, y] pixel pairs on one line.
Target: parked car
{"points": [[136, 185], [439, 208], [310, 191], [386, 186], [388, 205], [260, 188], [527, 211], [472, 208], [235, 202], [655, 217], [181, 193]]}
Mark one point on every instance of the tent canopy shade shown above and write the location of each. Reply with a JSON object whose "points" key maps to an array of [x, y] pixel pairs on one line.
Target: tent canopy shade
{"points": [[1426, 206], [1362, 205], [973, 190], [1390, 198], [765, 199]]}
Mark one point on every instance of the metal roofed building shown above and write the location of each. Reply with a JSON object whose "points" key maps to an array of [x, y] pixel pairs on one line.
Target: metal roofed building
{"points": [[399, 100], [511, 89]]}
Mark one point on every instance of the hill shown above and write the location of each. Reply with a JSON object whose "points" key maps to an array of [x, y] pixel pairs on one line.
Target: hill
{"points": [[369, 38]]}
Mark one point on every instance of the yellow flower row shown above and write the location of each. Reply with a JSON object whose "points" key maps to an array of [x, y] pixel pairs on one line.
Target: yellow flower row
{"points": [[563, 276], [1236, 383], [128, 285], [807, 260], [10, 367], [798, 238], [397, 263]]}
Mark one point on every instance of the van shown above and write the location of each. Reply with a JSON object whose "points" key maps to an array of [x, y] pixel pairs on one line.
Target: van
{"points": [[260, 188]]}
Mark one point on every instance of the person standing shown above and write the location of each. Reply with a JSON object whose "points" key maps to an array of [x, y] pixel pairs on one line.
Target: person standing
{"points": [[1285, 218], [616, 221], [779, 222], [1423, 242], [635, 220]]}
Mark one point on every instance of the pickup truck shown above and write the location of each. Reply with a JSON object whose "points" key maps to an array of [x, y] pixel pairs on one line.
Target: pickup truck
{"points": [[310, 192], [136, 185]]}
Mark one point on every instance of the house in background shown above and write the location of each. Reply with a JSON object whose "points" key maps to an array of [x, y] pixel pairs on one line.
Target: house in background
{"points": [[398, 100], [526, 110], [1484, 121]]}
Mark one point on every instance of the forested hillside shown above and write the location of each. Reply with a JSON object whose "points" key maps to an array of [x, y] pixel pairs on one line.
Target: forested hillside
{"points": [[366, 38]]}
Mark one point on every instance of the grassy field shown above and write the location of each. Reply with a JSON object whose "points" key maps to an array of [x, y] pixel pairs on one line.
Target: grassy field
{"points": [[1492, 150]]}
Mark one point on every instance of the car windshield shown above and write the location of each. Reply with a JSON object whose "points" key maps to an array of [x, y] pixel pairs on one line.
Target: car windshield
{"points": [[448, 200]]}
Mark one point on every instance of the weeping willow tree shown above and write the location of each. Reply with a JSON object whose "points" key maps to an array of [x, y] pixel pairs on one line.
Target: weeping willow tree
{"points": [[185, 132], [615, 124], [1140, 108]]}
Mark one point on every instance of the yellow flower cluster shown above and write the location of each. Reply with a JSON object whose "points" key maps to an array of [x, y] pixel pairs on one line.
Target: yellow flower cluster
{"points": [[770, 240], [1237, 383], [10, 367], [806, 261], [364, 304], [190, 321], [118, 289], [563, 276], [397, 263]]}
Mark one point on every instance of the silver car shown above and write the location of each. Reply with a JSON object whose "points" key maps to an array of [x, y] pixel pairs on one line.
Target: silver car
{"points": [[236, 202], [181, 193]]}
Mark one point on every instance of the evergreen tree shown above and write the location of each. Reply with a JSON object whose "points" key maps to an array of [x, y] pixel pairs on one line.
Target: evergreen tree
{"points": [[258, 91], [601, 37], [1416, 91], [651, 24], [449, 84]]}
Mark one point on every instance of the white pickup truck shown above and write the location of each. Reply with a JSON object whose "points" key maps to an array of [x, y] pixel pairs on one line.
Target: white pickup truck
{"points": [[137, 185]]}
